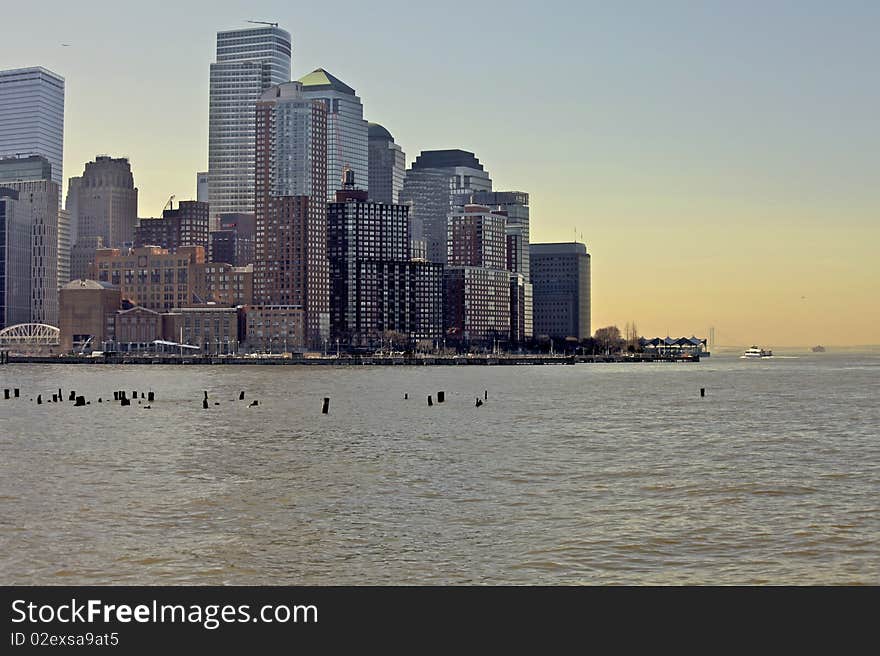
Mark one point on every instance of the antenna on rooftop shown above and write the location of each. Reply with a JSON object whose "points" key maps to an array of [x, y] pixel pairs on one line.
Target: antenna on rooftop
{"points": [[263, 23]]}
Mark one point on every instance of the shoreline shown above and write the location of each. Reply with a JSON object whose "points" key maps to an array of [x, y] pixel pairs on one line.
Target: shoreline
{"points": [[493, 360]]}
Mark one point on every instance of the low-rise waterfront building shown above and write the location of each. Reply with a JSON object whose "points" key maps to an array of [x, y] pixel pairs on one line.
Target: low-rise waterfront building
{"points": [[87, 310], [275, 328], [224, 284]]}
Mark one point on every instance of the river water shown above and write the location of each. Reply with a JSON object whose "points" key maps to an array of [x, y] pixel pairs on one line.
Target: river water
{"points": [[586, 474]]}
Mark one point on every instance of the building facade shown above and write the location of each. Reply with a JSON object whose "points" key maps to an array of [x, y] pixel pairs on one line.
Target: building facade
{"points": [[477, 305], [15, 260], [275, 328], [477, 282], [247, 62], [515, 206], [82, 255], [387, 163], [151, 277], [233, 243], [224, 284], [437, 182], [86, 315], [64, 247], [103, 202], [475, 237], [290, 261], [185, 226], [561, 289], [376, 288], [521, 316], [215, 330], [38, 200]]}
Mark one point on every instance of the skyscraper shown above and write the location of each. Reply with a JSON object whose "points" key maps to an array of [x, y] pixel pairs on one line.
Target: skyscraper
{"points": [[291, 271], [514, 205], [437, 182], [103, 202], [38, 201], [248, 62], [347, 131], [387, 166], [32, 116], [32, 123], [561, 283], [376, 290], [477, 282]]}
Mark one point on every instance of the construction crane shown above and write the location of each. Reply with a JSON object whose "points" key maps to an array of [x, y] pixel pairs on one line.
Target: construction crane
{"points": [[263, 23], [170, 204]]}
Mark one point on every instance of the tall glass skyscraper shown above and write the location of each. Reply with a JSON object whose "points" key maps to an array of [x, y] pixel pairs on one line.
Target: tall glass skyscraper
{"points": [[32, 115], [347, 131], [32, 124], [248, 62]]}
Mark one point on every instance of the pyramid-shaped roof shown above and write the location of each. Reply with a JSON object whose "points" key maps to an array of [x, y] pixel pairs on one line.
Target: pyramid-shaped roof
{"points": [[319, 79]]}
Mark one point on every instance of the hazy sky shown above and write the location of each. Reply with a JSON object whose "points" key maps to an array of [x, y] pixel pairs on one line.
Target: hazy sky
{"points": [[720, 159]]}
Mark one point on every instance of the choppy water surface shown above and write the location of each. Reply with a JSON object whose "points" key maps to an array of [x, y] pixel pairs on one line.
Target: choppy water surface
{"points": [[568, 474]]}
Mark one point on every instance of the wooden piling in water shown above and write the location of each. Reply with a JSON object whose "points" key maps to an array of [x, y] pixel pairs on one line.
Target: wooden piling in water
{"points": [[326, 407]]}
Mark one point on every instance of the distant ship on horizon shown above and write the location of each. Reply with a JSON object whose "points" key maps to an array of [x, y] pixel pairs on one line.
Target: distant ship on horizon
{"points": [[756, 352], [819, 349]]}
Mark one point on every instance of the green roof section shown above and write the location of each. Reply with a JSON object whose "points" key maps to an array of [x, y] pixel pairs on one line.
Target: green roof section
{"points": [[319, 79]]}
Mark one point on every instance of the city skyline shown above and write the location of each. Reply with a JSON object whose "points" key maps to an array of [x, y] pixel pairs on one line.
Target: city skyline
{"points": [[719, 175]]}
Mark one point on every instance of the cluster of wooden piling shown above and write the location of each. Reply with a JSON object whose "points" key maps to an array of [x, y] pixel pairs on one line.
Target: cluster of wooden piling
{"points": [[79, 400]]}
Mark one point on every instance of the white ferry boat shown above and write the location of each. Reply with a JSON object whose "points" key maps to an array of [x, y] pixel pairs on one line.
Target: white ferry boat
{"points": [[756, 352]]}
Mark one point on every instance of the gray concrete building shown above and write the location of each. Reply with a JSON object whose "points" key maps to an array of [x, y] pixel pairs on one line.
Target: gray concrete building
{"points": [[103, 202], [561, 290], [202, 186], [387, 166], [82, 254]]}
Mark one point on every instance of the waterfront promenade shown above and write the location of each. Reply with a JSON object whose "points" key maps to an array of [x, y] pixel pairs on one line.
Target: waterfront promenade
{"points": [[333, 360]]}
